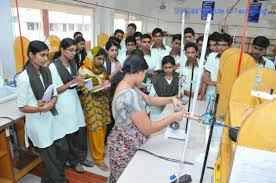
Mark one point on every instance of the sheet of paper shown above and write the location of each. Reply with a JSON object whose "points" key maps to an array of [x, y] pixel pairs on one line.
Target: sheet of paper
{"points": [[178, 134], [88, 84], [49, 93], [253, 166]]}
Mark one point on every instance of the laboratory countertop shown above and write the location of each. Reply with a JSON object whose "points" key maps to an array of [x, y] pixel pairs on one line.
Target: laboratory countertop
{"points": [[9, 113]]}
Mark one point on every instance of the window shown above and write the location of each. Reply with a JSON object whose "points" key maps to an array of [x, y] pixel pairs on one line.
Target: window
{"points": [[122, 20], [30, 21], [64, 27], [30, 25], [86, 27], [71, 27], [79, 27]]}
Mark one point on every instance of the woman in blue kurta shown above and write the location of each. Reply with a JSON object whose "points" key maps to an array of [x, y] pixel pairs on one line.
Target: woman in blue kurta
{"points": [[132, 124]]}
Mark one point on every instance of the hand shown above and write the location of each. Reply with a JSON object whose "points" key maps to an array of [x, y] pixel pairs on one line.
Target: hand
{"points": [[178, 116], [177, 104], [106, 84], [47, 106], [79, 80], [40, 103]]}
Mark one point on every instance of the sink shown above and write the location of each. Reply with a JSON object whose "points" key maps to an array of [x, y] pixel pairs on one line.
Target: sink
{"points": [[7, 93]]}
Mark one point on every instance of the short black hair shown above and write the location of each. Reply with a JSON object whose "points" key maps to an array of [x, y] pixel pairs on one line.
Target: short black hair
{"points": [[77, 33], [189, 45], [118, 31], [225, 38], [200, 38], [145, 36], [116, 40], [176, 37], [157, 30], [137, 52], [111, 43], [138, 34], [261, 41], [189, 30], [132, 25], [213, 36], [130, 39], [79, 39], [168, 59]]}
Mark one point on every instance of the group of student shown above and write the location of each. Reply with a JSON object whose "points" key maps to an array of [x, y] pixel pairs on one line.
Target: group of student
{"points": [[77, 116]]}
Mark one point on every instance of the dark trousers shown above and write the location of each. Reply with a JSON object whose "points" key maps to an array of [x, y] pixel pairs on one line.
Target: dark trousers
{"points": [[109, 128], [77, 143], [54, 158]]}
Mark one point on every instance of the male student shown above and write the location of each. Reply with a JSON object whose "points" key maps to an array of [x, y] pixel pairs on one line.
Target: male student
{"points": [[259, 49], [130, 46], [151, 59], [224, 41], [158, 48], [176, 52], [189, 35]]}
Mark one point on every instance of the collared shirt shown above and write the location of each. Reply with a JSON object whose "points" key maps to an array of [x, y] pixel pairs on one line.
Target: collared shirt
{"points": [[152, 61], [158, 54], [266, 64], [212, 66], [122, 57], [186, 73]]}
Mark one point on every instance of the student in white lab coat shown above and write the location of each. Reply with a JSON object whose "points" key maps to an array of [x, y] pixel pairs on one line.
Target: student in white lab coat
{"points": [[158, 48], [148, 56], [130, 46], [209, 81], [64, 73], [41, 116]]}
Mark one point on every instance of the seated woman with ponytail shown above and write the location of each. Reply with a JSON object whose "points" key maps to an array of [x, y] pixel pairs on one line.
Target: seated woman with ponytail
{"points": [[41, 116], [96, 105], [65, 77], [132, 124]]}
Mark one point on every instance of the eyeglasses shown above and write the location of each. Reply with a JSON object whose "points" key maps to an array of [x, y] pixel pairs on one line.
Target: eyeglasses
{"points": [[100, 58], [167, 67], [72, 50]]}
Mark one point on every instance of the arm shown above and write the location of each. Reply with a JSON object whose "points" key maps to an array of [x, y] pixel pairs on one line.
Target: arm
{"points": [[207, 79], [157, 101], [79, 80], [42, 107], [64, 87]]}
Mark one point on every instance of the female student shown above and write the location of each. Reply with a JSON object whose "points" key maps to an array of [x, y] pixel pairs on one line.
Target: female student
{"points": [[41, 116], [132, 124], [81, 51], [165, 83], [112, 64], [96, 105], [64, 73]]}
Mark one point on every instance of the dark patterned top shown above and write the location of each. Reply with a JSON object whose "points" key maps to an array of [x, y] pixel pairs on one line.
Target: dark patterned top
{"points": [[163, 88]]}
